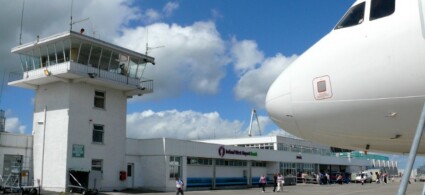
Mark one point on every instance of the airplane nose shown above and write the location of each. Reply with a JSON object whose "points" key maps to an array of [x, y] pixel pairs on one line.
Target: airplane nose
{"points": [[278, 99], [279, 103]]}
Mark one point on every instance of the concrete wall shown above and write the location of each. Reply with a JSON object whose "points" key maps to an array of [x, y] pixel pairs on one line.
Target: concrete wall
{"points": [[273, 167], [223, 171], [69, 120], [51, 128], [200, 171], [154, 172], [258, 171], [83, 115]]}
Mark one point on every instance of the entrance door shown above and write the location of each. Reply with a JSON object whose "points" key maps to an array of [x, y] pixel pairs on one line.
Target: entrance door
{"points": [[130, 175]]}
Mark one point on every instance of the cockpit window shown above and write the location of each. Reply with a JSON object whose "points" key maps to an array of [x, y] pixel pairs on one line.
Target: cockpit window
{"points": [[381, 8], [353, 17]]}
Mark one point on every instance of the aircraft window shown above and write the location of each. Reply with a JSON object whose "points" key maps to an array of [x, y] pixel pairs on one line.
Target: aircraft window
{"points": [[381, 8], [321, 86], [353, 17]]}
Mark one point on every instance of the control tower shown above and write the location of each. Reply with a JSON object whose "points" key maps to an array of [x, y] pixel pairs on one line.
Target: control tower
{"points": [[81, 89]]}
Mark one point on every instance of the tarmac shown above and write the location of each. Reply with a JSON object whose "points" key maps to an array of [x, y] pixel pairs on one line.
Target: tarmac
{"points": [[415, 188]]}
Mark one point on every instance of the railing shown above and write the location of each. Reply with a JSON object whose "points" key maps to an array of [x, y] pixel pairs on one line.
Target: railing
{"points": [[83, 70], [96, 72], [15, 76], [146, 85]]}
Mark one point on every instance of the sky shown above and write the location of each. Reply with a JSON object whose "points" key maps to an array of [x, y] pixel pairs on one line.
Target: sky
{"points": [[215, 59]]}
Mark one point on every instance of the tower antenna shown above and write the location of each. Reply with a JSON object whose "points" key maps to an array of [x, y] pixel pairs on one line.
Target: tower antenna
{"points": [[70, 23], [22, 19], [147, 44]]}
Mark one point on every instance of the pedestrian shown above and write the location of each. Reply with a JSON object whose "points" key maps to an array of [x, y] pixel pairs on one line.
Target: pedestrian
{"points": [[339, 179], [318, 178], [274, 182], [378, 177], [179, 186], [280, 182], [328, 179], [362, 178], [322, 178], [385, 177], [263, 182], [303, 177]]}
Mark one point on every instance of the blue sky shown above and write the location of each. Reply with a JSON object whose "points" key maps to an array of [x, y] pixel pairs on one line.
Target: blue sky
{"points": [[215, 59]]}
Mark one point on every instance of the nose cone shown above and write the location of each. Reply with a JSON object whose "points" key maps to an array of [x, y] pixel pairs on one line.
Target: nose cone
{"points": [[279, 103], [278, 99]]}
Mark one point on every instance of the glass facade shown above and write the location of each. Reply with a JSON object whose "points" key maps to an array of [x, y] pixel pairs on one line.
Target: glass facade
{"points": [[175, 166], [84, 52], [266, 146]]}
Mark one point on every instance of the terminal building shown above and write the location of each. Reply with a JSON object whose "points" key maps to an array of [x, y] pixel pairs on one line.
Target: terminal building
{"points": [[79, 130], [153, 163]]}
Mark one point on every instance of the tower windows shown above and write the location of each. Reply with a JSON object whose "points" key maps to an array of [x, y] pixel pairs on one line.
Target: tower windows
{"points": [[98, 131], [99, 99], [96, 165]]}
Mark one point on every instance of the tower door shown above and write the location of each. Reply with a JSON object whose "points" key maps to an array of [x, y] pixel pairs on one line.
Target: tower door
{"points": [[130, 175]]}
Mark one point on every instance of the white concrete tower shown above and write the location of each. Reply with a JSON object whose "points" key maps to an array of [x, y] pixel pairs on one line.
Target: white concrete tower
{"points": [[81, 88]]}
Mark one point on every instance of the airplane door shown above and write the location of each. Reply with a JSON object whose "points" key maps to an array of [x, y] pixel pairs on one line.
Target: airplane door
{"points": [[130, 175]]}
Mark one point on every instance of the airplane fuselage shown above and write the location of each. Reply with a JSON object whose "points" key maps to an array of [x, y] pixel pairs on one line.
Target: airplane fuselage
{"points": [[361, 86]]}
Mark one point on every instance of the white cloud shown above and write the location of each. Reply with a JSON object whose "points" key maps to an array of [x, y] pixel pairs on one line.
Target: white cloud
{"points": [[246, 55], [253, 85], [190, 58], [215, 14], [13, 125], [181, 124], [152, 15], [106, 19], [169, 8]]}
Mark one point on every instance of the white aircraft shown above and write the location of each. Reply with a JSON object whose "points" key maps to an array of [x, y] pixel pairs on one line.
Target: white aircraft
{"points": [[362, 86]]}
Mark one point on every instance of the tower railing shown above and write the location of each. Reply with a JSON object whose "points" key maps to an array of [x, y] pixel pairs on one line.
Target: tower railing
{"points": [[84, 71]]}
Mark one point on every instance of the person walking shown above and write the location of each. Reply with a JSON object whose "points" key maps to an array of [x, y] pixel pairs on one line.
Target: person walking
{"points": [[378, 178], [339, 179], [385, 177], [263, 182], [303, 177], [274, 182], [179, 186], [280, 182], [328, 178]]}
